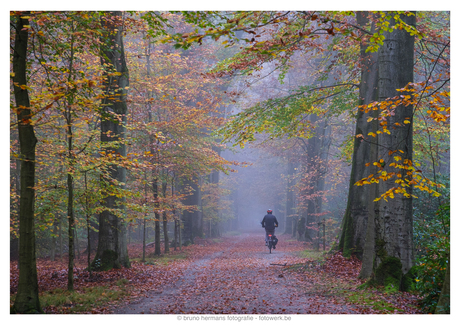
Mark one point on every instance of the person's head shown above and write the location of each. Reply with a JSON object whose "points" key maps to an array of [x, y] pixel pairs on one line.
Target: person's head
{"points": [[269, 211]]}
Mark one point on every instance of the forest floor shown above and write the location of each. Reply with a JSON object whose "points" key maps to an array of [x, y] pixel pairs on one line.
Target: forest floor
{"points": [[231, 275]]}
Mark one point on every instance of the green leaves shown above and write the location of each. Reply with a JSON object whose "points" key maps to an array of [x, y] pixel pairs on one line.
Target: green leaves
{"points": [[388, 22], [288, 116]]}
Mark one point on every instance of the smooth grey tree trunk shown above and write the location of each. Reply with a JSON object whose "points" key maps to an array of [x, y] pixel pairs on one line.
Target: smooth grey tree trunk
{"points": [[289, 198], [165, 221], [353, 235], [157, 217], [112, 248], [369, 245], [394, 223], [27, 296], [312, 178]]}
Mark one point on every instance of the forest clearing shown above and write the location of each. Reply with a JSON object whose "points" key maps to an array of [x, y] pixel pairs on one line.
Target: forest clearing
{"points": [[152, 151]]}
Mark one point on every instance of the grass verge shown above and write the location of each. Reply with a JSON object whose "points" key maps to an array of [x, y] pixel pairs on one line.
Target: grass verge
{"points": [[312, 254], [85, 300], [161, 260], [368, 299]]}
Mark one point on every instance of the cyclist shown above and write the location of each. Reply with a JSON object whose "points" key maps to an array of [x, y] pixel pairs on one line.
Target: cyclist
{"points": [[269, 222]]}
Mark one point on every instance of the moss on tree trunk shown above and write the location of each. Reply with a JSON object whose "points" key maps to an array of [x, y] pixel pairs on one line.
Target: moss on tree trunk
{"points": [[106, 261]]}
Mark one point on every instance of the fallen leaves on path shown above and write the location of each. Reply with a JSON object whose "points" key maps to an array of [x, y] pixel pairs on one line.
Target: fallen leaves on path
{"points": [[234, 276]]}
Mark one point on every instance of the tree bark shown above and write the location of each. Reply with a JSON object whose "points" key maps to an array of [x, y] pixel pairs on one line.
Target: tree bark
{"points": [[289, 198], [88, 228], [53, 239], [443, 306], [312, 165], [71, 220], [353, 235], [112, 251], [27, 296], [369, 244], [393, 223], [191, 218], [70, 157], [165, 222], [157, 217]]}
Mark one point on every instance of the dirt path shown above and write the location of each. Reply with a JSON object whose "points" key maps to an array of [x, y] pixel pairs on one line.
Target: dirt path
{"points": [[237, 279]]}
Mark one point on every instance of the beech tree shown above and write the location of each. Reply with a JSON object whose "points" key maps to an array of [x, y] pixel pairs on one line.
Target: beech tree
{"points": [[354, 223], [393, 250], [112, 250], [27, 297]]}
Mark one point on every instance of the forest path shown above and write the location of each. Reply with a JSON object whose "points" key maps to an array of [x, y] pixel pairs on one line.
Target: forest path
{"points": [[238, 279]]}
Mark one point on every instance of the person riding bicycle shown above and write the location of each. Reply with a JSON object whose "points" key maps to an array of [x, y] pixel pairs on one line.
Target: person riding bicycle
{"points": [[269, 222]]}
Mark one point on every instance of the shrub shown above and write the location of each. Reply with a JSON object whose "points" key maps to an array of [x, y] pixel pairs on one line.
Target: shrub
{"points": [[432, 239]]}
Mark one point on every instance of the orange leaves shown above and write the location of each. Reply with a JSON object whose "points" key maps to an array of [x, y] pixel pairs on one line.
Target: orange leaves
{"points": [[415, 94], [439, 117], [402, 172]]}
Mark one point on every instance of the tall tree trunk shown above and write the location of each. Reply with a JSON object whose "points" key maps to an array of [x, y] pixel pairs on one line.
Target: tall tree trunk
{"points": [[311, 182], [394, 223], [323, 151], [71, 220], [143, 239], [112, 251], [354, 228], [157, 217], [16, 174], [88, 228], [53, 239], [165, 222], [369, 243], [191, 218], [27, 296], [70, 157], [61, 253], [289, 198]]}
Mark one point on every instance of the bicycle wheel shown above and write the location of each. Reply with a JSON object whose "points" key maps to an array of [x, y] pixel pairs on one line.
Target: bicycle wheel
{"points": [[270, 246]]}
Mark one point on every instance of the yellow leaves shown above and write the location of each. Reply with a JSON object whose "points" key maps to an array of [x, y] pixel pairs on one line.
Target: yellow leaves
{"points": [[23, 87], [438, 117], [372, 134]]}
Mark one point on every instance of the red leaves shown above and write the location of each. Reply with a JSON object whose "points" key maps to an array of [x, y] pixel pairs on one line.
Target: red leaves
{"points": [[234, 276], [343, 267]]}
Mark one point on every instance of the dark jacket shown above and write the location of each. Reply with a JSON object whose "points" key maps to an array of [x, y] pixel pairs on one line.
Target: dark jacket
{"points": [[269, 222]]}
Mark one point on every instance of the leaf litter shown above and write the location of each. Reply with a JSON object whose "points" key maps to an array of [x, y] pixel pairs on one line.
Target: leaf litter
{"points": [[234, 276]]}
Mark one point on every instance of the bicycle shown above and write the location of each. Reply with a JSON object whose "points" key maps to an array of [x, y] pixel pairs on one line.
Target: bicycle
{"points": [[271, 243]]}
